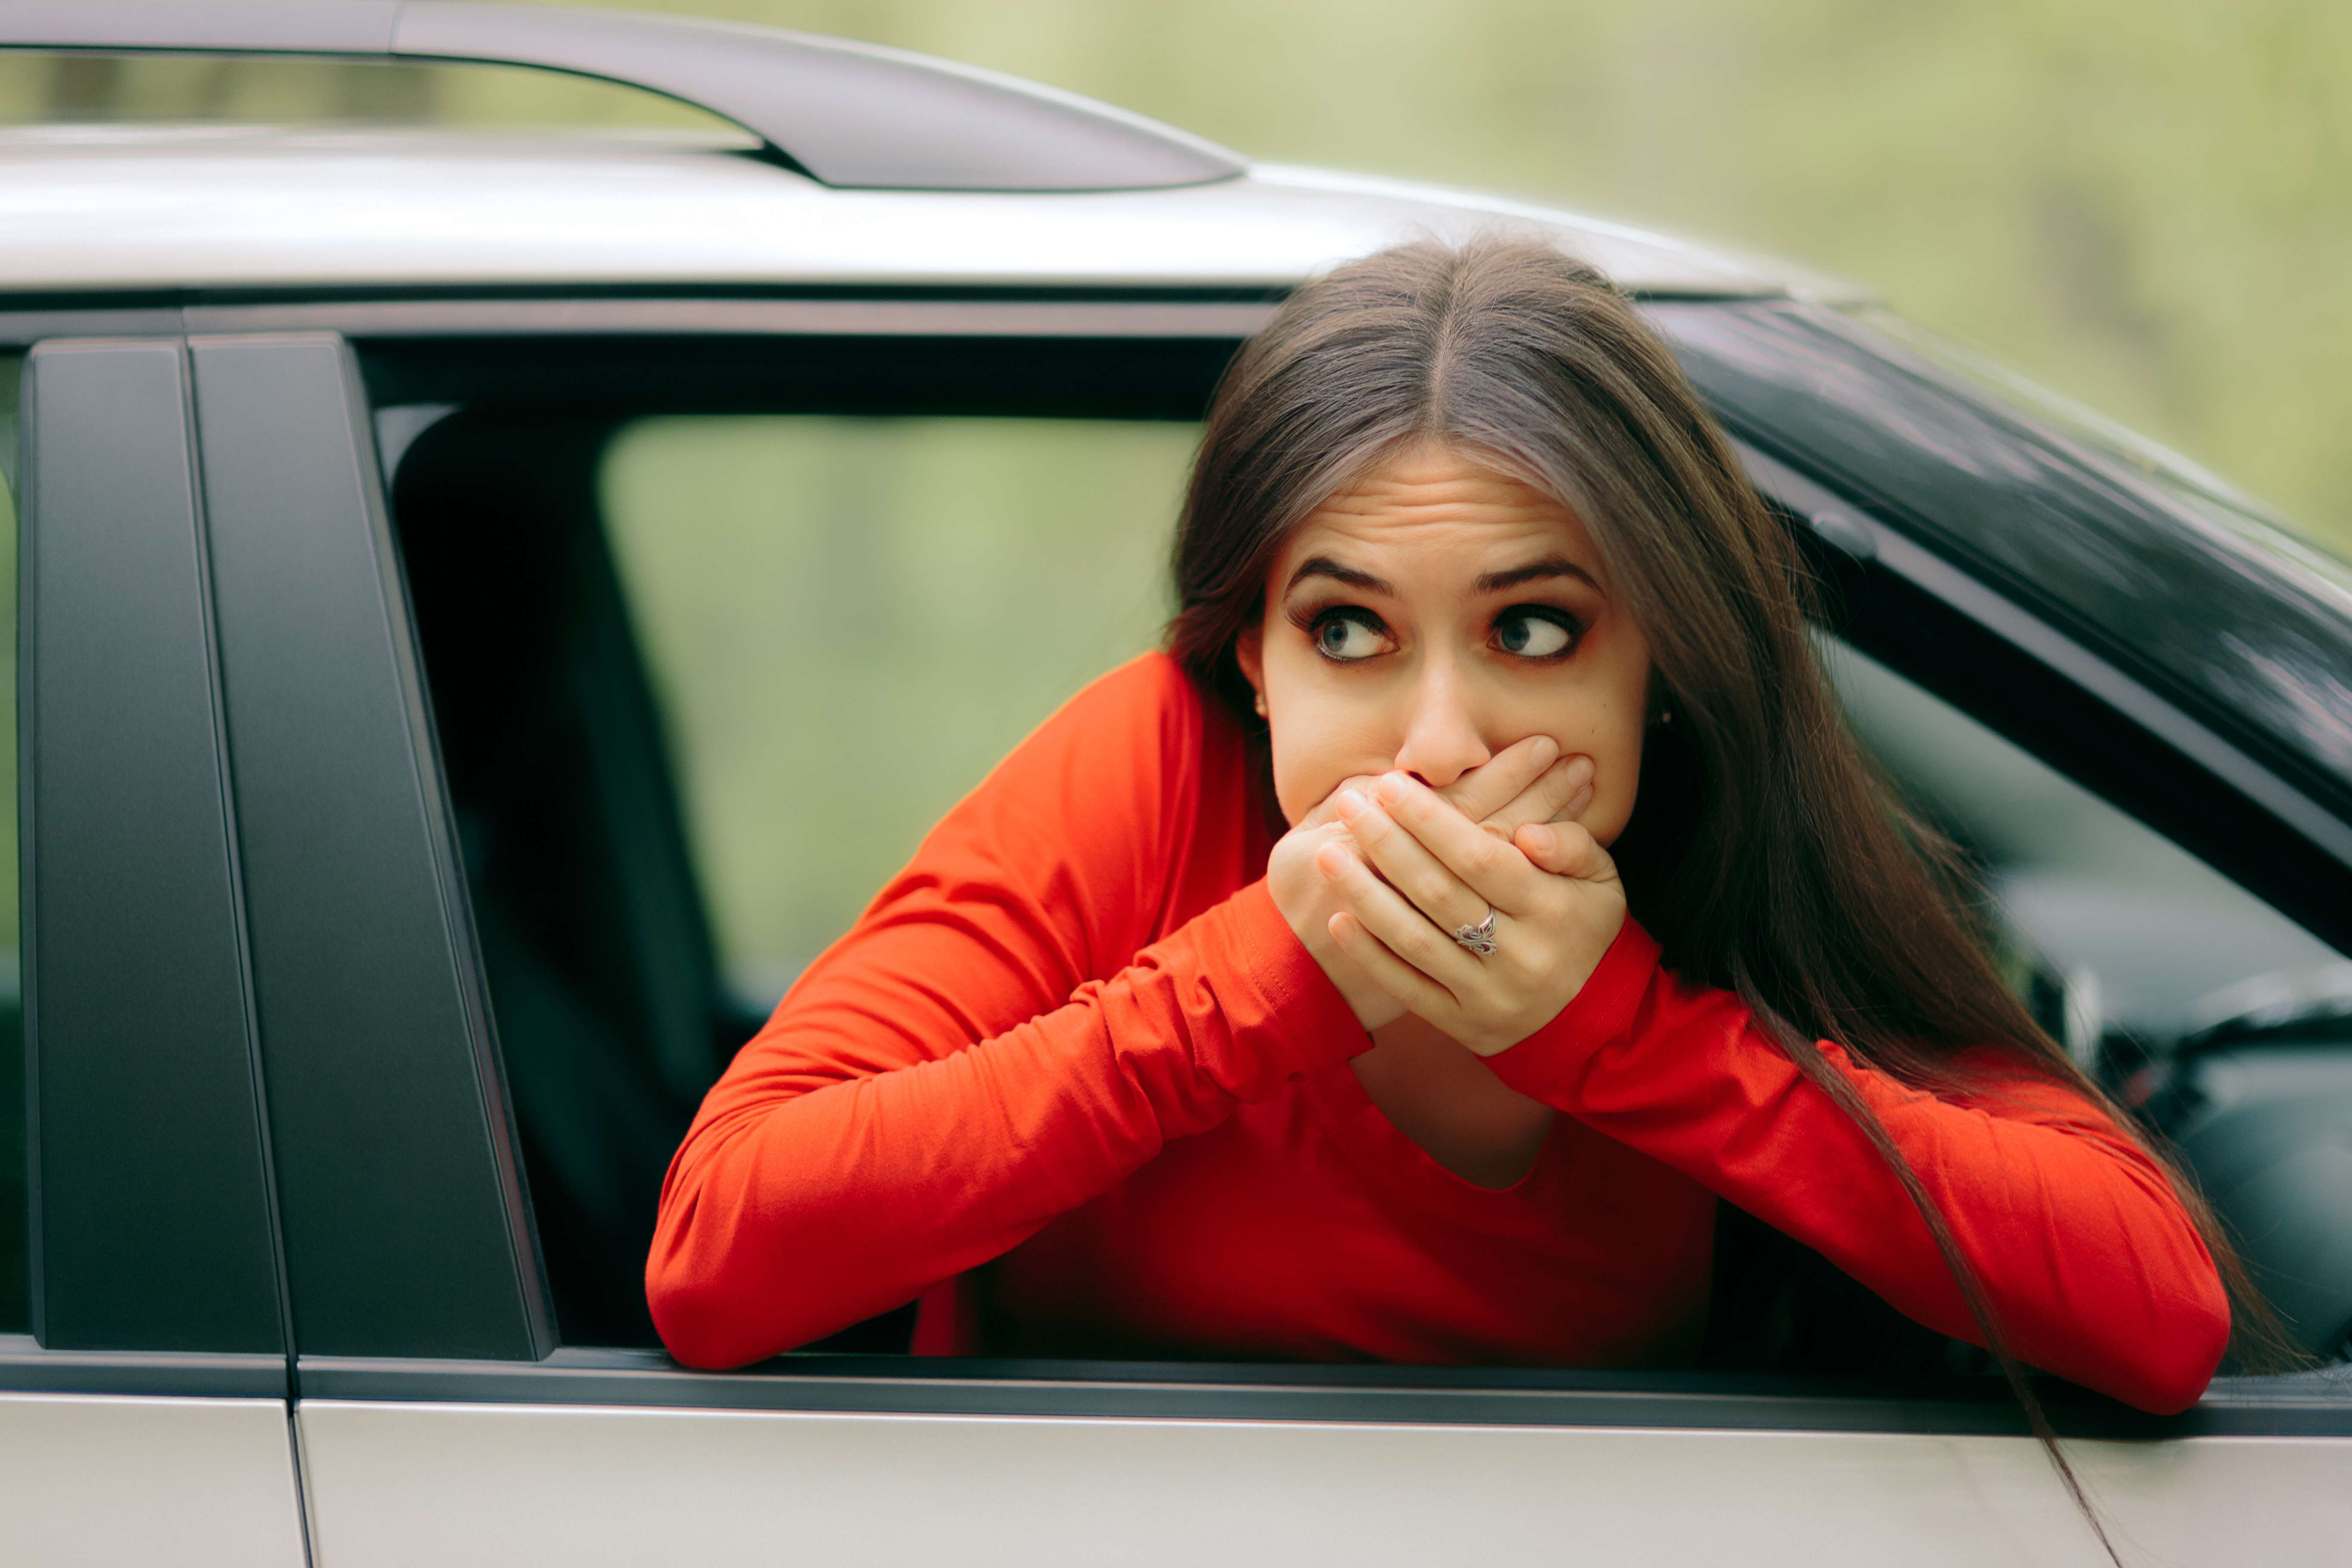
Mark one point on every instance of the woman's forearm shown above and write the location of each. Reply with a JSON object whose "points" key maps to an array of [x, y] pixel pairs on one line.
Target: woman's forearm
{"points": [[854, 1156], [2092, 1266]]}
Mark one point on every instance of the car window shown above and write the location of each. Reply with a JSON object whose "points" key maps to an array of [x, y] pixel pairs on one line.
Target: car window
{"points": [[701, 684], [2160, 572], [703, 681], [848, 622], [2122, 942], [2196, 489], [13, 1298]]}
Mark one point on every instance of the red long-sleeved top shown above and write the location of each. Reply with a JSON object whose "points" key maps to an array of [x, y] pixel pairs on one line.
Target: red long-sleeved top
{"points": [[1075, 1042]]}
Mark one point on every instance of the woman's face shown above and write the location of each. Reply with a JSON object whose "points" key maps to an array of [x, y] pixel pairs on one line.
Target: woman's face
{"points": [[1431, 614]]}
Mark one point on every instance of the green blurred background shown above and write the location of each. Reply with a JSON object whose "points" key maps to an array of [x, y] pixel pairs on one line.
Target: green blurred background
{"points": [[2147, 206]]}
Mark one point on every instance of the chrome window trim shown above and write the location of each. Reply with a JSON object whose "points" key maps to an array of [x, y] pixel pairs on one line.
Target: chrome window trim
{"points": [[693, 314], [2304, 1404]]}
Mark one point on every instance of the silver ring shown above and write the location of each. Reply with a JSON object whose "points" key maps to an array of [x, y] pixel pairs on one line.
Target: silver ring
{"points": [[1480, 938]]}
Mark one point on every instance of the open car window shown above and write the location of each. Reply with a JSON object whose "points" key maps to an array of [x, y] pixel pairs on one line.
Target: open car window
{"points": [[701, 683], [702, 678], [847, 622]]}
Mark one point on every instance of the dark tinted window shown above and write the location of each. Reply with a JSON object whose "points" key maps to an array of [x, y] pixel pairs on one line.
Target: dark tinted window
{"points": [[2165, 573], [2122, 941]]}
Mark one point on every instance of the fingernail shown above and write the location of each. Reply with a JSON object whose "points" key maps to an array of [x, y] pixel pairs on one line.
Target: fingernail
{"points": [[1332, 862], [1392, 788], [1580, 769], [1351, 805], [1579, 801], [1545, 749]]}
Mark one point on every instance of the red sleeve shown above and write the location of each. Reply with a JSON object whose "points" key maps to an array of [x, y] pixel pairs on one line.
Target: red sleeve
{"points": [[996, 1041], [2092, 1266]]}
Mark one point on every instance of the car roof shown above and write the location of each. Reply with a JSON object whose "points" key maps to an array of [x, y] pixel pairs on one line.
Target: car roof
{"points": [[137, 208]]}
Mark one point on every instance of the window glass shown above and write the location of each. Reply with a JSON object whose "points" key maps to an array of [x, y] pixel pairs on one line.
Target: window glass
{"points": [[2152, 567], [2126, 942], [849, 621], [14, 1318], [2204, 494]]}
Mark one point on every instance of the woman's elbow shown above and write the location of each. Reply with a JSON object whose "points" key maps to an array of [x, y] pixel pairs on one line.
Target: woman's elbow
{"points": [[2168, 1369], [695, 1312], [696, 1300], [722, 1298], [696, 1329]]}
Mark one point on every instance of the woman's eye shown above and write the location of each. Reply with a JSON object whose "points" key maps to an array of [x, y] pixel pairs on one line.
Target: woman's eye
{"points": [[1346, 637], [1530, 634]]}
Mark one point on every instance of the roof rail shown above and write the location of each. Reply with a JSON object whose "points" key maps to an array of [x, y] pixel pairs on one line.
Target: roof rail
{"points": [[853, 115]]}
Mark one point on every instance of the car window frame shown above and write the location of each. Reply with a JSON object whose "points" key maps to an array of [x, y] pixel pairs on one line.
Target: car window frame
{"points": [[1883, 593], [420, 335]]}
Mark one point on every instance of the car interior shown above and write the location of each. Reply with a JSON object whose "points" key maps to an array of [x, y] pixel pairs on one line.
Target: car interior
{"points": [[652, 627]]}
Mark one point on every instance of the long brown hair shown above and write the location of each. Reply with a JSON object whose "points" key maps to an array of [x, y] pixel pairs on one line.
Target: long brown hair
{"points": [[1765, 854]]}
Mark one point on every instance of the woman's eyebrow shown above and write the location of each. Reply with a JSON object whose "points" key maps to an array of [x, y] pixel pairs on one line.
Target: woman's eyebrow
{"points": [[1534, 571], [1491, 583], [1324, 566]]}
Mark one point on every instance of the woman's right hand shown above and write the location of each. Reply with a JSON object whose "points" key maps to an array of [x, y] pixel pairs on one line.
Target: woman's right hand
{"points": [[1525, 782]]}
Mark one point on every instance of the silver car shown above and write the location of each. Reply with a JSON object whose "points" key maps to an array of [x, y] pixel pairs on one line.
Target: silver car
{"points": [[448, 564]]}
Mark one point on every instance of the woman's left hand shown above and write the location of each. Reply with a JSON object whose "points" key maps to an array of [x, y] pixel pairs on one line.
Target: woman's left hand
{"points": [[1553, 889]]}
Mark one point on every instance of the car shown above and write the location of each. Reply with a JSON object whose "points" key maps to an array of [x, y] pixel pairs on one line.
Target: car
{"points": [[453, 570]]}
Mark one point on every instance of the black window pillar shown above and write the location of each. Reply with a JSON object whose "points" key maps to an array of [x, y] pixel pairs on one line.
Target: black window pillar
{"points": [[150, 1208], [407, 1232]]}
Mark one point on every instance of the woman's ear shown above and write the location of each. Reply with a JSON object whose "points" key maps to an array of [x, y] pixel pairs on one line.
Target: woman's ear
{"points": [[1659, 704], [1249, 652]]}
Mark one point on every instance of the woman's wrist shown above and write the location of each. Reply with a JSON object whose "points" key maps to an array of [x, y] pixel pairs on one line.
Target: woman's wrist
{"points": [[1304, 897], [1548, 1064], [1418, 878]]}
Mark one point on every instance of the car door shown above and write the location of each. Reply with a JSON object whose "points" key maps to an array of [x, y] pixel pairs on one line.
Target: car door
{"points": [[143, 1383], [464, 1398]]}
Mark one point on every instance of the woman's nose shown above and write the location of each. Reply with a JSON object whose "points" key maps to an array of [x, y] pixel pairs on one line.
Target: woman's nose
{"points": [[1441, 739]]}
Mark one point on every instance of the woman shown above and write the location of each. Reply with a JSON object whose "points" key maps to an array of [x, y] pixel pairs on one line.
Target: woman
{"points": [[1316, 989]]}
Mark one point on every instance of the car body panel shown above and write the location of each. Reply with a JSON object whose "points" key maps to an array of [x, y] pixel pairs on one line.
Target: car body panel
{"points": [[486, 1484], [101, 1481], [124, 208]]}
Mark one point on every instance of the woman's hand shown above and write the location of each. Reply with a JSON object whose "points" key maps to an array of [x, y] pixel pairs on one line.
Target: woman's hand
{"points": [[1553, 891], [1523, 785]]}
